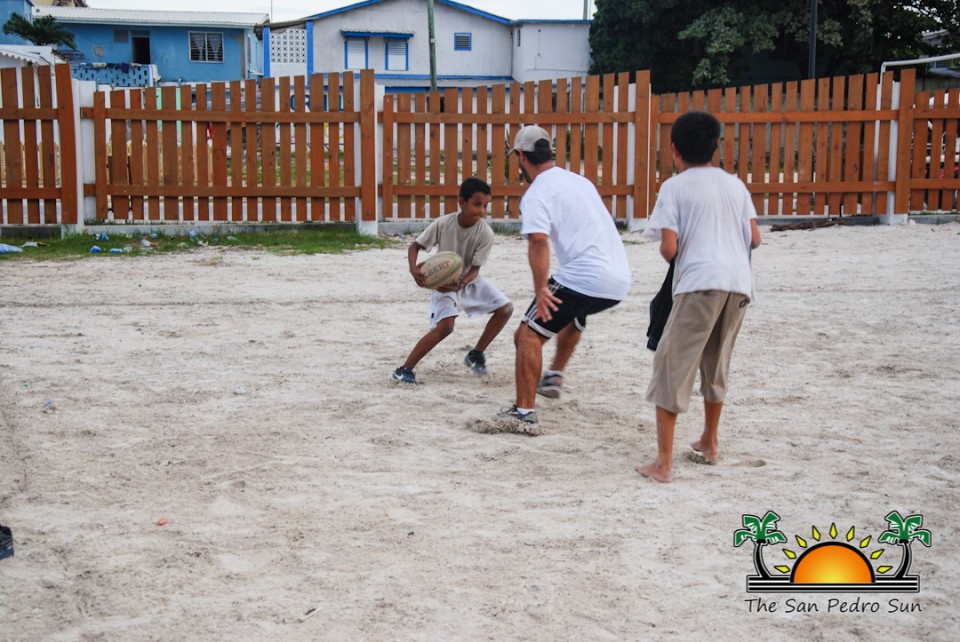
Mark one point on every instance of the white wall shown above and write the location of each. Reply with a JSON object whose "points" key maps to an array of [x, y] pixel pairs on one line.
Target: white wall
{"points": [[490, 56], [551, 50]]}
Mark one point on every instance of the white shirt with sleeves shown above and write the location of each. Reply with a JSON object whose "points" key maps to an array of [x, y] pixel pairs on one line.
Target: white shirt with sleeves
{"points": [[591, 257], [710, 211]]}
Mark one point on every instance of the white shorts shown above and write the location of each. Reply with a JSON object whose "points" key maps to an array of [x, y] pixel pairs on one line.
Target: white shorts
{"points": [[477, 297]]}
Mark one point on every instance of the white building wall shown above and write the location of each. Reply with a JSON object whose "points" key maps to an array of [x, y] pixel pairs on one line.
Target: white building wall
{"points": [[288, 53], [550, 50], [489, 57]]}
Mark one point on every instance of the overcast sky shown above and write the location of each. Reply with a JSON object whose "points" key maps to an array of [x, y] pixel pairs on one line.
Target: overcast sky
{"points": [[293, 9]]}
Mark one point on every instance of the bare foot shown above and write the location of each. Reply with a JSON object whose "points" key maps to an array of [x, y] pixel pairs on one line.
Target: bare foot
{"points": [[701, 455], [655, 472]]}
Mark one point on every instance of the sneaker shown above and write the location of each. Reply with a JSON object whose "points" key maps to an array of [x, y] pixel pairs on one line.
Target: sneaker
{"points": [[513, 413], [550, 386], [405, 375], [6, 542], [476, 362]]}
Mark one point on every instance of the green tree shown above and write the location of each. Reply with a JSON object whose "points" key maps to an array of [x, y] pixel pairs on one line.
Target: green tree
{"points": [[946, 15], [902, 532], [762, 532], [630, 35], [856, 36], [697, 44], [45, 30], [726, 34]]}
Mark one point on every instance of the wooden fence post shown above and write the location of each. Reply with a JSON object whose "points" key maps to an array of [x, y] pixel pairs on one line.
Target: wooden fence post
{"points": [[641, 151], [904, 133], [367, 221], [10, 101], [67, 119], [388, 174]]}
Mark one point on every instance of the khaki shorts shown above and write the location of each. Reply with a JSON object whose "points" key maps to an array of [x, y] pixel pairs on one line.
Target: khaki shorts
{"points": [[699, 335]]}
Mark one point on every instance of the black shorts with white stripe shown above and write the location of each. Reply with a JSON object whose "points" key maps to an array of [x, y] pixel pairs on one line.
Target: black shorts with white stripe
{"points": [[574, 307]]}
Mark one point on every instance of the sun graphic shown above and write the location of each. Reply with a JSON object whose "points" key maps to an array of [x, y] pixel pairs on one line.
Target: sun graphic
{"points": [[833, 562], [839, 565]]}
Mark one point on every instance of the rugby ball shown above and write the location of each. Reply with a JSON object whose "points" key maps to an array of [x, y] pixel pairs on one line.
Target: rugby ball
{"points": [[440, 269]]}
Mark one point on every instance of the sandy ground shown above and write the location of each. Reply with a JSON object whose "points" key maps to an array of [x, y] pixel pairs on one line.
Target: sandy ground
{"points": [[225, 456]]}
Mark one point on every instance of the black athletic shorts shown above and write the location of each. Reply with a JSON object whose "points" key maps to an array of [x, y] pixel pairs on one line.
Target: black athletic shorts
{"points": [[573, 307]]}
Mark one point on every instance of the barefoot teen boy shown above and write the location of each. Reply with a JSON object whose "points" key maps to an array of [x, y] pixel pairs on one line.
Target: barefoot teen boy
{"points": [[705, 218]]}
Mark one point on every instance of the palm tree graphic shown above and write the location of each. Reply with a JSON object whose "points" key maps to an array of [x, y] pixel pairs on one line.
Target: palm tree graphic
{"points": [[902, 532], [762, 532]]}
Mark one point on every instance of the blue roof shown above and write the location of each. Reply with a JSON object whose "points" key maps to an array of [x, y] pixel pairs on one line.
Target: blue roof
{"points": [[456, 5], [477, 12]]}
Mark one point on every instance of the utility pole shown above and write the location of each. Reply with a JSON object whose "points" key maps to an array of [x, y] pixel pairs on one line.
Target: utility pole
{"points": [[586, 9], [812, 59], [433, 46]]}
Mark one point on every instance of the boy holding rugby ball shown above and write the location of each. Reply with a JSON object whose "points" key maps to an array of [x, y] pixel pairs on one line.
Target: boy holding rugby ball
{"points": [[468, 234]]}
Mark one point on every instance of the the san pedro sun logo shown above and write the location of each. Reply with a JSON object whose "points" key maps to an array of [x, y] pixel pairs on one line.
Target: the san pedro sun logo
{"points": [[838, 565]]}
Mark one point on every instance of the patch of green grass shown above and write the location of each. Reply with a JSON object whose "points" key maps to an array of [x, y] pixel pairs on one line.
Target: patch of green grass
{"points": [[309, 240], [505, 230]]}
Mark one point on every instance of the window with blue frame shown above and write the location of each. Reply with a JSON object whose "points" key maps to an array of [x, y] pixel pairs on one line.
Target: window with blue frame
{"points": [[397, 55], [355, 53], [206, 46], [462, 41]]}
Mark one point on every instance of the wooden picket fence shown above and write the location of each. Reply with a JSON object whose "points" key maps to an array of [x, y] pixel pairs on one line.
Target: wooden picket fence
{"points": [[278, 151], [935, 165], [307, 150], [39, 167], [823, 146], [431, 142], [43, 178]]}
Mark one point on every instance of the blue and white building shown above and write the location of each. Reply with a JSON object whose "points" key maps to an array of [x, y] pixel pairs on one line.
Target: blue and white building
{"points": [[182, 46], [473, 47]]}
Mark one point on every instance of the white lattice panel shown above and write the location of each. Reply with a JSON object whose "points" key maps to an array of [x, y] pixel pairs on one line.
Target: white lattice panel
{"points": [[289, 46]]}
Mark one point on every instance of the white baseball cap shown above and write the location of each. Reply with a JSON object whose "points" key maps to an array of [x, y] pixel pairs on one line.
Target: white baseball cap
{"points": [[527, 137]]}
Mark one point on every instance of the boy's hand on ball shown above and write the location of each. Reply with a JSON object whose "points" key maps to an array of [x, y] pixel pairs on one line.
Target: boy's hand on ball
{"points": [[418, 275], [450, 287]]}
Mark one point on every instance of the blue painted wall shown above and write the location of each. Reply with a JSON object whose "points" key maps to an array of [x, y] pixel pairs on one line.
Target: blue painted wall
{"points": [[8, 7], [169, 50]]}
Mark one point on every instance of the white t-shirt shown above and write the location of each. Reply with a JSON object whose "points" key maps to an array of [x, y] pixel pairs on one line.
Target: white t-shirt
{"points": [[473, 243], [710, 210], [568, 208]]}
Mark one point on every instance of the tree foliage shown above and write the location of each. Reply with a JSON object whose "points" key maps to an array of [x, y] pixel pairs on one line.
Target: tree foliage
{"points": [[44, 30], [702, 43]]}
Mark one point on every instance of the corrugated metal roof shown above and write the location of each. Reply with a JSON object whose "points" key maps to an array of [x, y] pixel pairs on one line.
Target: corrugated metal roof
{"points": [[28, 53], [159, 18]]}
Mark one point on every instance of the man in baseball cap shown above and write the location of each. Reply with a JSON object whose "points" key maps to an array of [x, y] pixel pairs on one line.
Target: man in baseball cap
{"points": [[565, 209], [528, 137]]}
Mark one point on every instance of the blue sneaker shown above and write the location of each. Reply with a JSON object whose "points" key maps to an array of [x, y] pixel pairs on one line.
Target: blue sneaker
{"points": [[405, 375], [6, 542], [477, 362], [550, 386]]}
